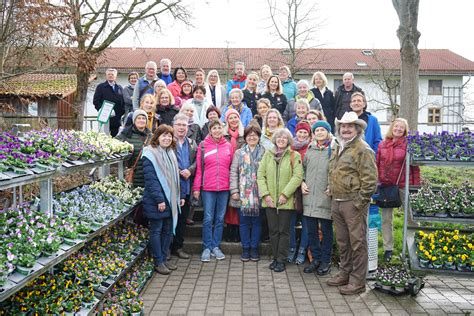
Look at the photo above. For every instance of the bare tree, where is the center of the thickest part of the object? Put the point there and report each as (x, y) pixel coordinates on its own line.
(97, 24)
(387, 79)
(296, 24)
(409, 36)
(26, 36)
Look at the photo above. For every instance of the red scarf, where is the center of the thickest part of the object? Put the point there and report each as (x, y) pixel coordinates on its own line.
(234, 135)
(241, 79)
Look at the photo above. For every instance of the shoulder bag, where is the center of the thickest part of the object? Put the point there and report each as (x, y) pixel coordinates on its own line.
(389, 196)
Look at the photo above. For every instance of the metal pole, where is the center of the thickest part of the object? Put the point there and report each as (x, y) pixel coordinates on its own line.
(120, 170)
(407, 205)
(14, 197)
(46, 196)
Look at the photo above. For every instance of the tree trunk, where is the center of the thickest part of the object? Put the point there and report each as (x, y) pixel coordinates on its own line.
(81, 97)
(408, 36)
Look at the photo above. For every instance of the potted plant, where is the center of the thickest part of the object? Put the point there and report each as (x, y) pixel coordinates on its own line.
(88, 297)
(25, 263)
(51, 245)
(135, 306)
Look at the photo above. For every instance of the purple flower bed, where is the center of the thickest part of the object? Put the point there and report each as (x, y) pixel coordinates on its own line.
(442, 146)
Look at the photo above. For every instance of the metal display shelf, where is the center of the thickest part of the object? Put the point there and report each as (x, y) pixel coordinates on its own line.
(15, 180)
(100, 295)
(415, 264)
(16, 281)
(409, 232)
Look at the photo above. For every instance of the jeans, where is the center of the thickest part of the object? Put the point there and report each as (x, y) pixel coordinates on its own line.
(160, 238)
(250, 228)
(215, 205)
(321, 250)
(178, 239)
(304, 232)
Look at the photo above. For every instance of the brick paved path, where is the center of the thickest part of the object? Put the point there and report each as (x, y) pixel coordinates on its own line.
(231, 287)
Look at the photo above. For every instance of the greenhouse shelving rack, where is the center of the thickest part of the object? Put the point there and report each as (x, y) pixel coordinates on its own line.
(409, 231)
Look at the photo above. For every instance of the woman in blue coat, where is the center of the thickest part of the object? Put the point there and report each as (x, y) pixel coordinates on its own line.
(162, 197)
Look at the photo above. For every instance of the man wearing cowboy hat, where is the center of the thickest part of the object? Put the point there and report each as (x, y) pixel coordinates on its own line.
(352, 181)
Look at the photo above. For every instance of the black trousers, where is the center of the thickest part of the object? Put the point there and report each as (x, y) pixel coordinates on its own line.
(178, 239)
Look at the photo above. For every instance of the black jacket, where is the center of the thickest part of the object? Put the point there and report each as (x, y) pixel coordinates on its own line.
(104, 91)
(342, 99)
(251, 100)
(278, 101)
(327, 103)
(167, 114)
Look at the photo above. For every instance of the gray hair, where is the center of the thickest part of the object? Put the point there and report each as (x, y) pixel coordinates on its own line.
(160, 82)
(186, 106)
(304, 102)
(111, 70)
(348, 74)
(151, 64)
(238, 91)
(282, 132)
(165, 61)
(303, 82)
(180, 117)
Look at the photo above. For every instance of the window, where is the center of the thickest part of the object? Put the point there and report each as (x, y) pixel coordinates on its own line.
(367, 52)
(435, 87)
(434, 115)
(33, 108)
(361, 64)
(337, 83)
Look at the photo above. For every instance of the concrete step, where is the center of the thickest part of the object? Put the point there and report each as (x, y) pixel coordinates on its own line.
(193, 245)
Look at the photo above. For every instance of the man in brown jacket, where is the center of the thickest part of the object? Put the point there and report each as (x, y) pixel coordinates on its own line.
(352, 181)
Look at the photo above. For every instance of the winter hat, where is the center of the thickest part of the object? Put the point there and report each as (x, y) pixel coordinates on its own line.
(137, 113)
(229, 112)
(321, 124)
(303, 125)
(350, 118)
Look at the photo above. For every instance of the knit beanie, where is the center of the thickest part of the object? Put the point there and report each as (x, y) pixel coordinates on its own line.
(229, 112)
(321, 124)
(303, 125)
(137, 113)
(186, 82)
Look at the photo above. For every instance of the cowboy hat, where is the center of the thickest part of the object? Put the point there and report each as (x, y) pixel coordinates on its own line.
(351, 118)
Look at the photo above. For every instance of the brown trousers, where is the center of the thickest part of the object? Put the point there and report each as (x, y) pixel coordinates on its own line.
(351, 237)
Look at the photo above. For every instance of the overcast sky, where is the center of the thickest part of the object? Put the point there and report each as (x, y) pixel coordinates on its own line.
(347, 24)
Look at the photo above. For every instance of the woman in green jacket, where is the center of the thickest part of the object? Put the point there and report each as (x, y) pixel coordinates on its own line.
(279, 175)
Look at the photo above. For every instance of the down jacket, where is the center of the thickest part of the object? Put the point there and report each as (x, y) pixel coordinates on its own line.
(217, 161)
(275, 178)
(389, 171)
(353, 172)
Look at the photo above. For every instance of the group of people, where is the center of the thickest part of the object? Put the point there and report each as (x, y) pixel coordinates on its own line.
(259, 153)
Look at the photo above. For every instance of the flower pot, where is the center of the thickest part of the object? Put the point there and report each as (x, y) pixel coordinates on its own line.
(450, 266)
(400, 289)
(136, 313)
(462, 267)
(69, 241)
(82, 236)
(437, 265)
(424, 263)
(453, 158)
(441, 215)
(386, 287)
(429, 158)
(88, 305)
(417, 157)
(3, 279)
(24, 270)
(465, 158)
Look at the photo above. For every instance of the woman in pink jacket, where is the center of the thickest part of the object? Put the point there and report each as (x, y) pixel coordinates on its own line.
(212, 179)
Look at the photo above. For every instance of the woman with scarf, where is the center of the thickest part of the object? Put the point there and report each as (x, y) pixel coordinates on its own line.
(316, 203)
(250, 92)
(235, 97)
(212, 181)
(147, 104)
(200, 105)
(244, 190)
(300, 144)
(390, 159)
(265, 73)
(279, 175)
(271, 122)
(165, 106)
(186, 91)
(234, 134)
(194, 131)
(180, 76)
(303, 94)
(274, 93)
(137, 135)
(215, 91)
(162, 197)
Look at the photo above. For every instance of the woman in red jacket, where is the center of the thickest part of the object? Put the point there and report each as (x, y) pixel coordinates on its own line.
(390, 161)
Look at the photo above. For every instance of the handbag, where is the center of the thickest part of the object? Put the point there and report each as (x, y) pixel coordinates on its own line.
(130, 172)
(389, 196)
(198, 202)
(139, 216)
